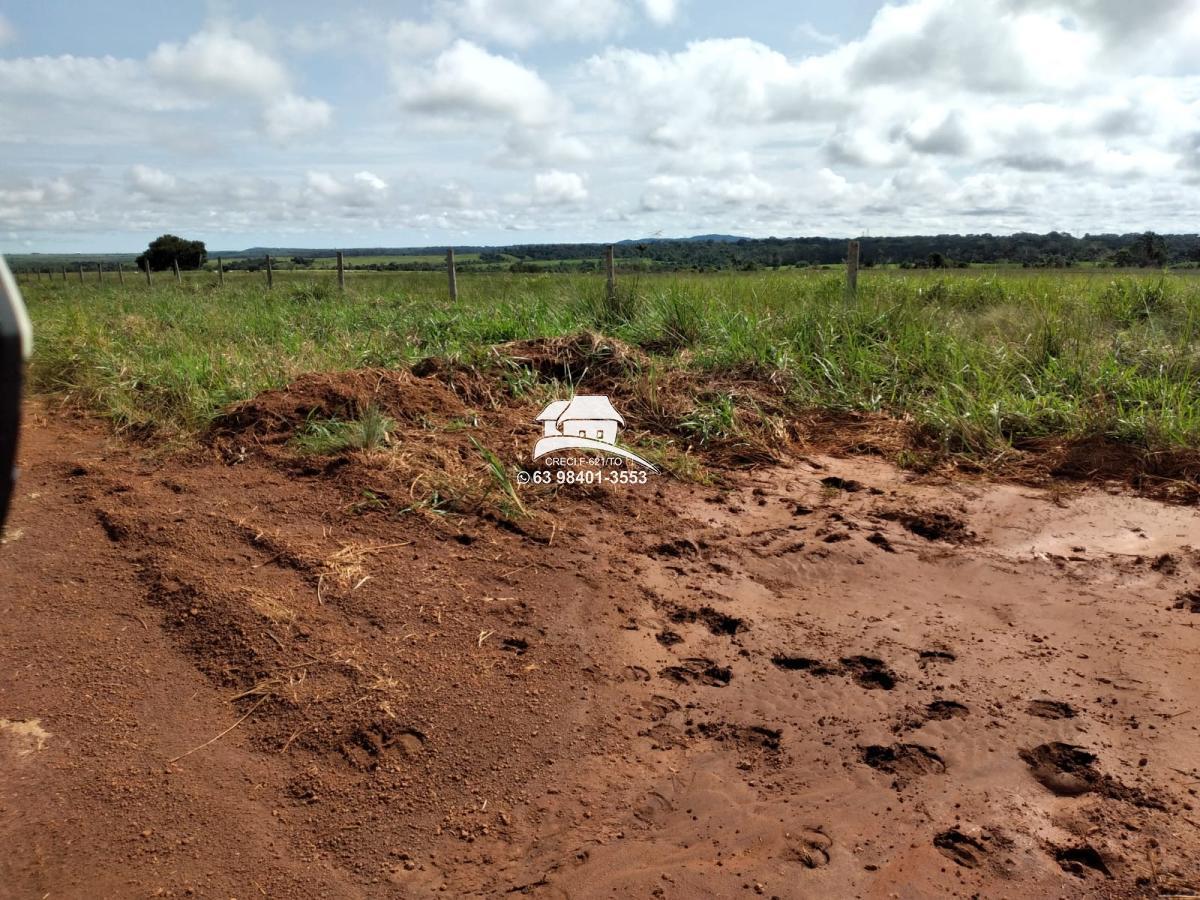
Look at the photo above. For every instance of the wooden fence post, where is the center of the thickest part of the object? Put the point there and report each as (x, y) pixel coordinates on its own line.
(81, 273)
(148, 281)
(120, 272)
(178, 275)
(341, 266)
(220, 271)
(270, 275)
(852, 270)
(451, 274)
(611, 272)
(64, 271)
(99, 271)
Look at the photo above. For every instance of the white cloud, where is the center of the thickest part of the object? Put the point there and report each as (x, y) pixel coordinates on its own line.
(521, 23)
(293, 115)
(661, 12)
(418, 39)
(218, 61)
(466, 80)
(154, 184)
(362, 189)
(558, 188)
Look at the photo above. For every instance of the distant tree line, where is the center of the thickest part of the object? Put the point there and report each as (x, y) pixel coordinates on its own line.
(1052, 250)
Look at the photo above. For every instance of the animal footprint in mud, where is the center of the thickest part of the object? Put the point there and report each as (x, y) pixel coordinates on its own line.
(1068, 771)
(698, 670)
(870, 672)
(811, 848)
(1076, 859)
(962, 848)
(905, 761)
(635, 673)
(370, 746)
(653, 809)
(659, 707)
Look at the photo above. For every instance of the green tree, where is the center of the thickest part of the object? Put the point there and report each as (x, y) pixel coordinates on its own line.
(168, 249)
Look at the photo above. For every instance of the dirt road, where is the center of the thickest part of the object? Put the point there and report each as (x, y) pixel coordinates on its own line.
(232, 678)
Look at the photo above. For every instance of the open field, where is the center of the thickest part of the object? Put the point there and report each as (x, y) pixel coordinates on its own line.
(910, 611)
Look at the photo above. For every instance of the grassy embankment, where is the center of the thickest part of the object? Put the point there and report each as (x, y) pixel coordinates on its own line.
(979, 362)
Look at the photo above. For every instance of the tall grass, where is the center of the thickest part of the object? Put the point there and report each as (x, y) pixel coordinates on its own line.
(982, 359)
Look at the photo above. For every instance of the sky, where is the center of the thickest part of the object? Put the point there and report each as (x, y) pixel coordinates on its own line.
(294, 123)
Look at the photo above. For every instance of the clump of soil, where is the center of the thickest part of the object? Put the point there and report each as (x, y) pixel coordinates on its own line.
(1050, 709)
(1189, 600)
(932, 526)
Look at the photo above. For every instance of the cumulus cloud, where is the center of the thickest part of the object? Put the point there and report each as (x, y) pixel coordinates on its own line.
(217, 61)
(466, 80)
(557, 188)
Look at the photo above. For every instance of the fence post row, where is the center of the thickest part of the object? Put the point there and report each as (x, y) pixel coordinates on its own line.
(852, 270)
(453, 276)
(341, 267)
(611, 273)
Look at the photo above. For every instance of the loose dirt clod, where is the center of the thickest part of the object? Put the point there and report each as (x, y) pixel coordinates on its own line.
(1050, 709)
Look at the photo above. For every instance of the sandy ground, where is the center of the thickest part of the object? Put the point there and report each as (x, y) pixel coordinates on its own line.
(830, 679)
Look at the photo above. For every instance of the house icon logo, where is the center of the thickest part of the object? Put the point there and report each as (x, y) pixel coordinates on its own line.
(585, 422)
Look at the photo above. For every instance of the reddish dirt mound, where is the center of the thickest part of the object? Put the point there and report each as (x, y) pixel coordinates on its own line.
(275, 416)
